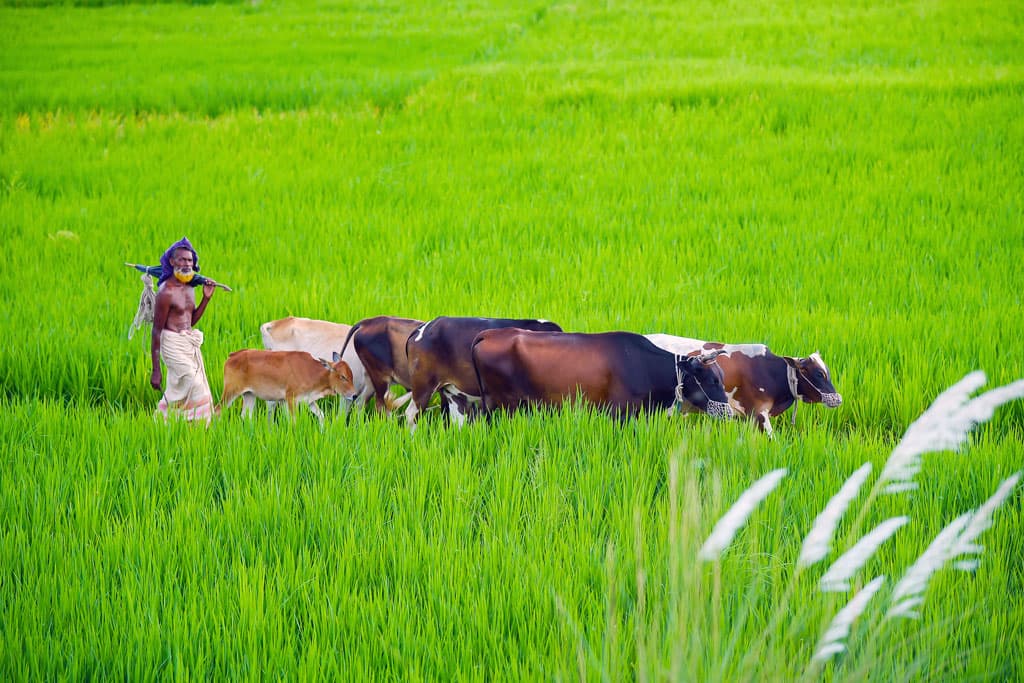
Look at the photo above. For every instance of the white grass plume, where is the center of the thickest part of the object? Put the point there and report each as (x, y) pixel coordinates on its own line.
(832, 642)
(909, 592)
(979, 522)
(729, 524)
(956, 539)
(944, 426)
(819, 541)
(838, 576)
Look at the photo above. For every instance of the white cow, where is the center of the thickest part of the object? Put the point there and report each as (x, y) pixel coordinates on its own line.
(320, 339)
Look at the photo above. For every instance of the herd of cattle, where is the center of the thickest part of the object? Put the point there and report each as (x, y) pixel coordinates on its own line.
(482, 365)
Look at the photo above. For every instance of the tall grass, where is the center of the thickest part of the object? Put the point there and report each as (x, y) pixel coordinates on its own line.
(132, 548)
(393, 218)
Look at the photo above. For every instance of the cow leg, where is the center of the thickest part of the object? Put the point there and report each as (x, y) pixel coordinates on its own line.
(458, 408)
(380, 396)
(397, 403)
(462, 407)
(289, 406)
(764, 422)
(447, 410)
(313, 408)
(410, 416)
(248, 403)
(227, 399)
(420, 400)
(271, 407)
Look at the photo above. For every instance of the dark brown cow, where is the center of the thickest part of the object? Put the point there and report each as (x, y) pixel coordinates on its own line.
(760, 384)
(379, 344)
(288, 376)
(440, 359)
(618, 371)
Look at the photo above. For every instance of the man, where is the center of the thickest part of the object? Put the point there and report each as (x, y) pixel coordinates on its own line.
(176, 341)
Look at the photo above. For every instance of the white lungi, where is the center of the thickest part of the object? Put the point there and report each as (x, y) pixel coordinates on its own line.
(188, 392)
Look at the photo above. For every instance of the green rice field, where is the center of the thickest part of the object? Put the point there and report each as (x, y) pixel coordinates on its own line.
(841, 177)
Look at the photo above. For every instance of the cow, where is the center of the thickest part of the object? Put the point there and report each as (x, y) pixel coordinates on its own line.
(321, 339)
(288, 376)
(618, 371)
(379, 344)
(760, 384)
(439, 353)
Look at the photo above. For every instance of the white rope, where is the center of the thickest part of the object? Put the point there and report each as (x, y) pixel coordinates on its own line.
(147, 305)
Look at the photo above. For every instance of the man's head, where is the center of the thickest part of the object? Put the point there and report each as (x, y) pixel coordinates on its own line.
(179, 261)
(183, 262)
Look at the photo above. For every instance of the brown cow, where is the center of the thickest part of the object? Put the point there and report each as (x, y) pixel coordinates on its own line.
(288, 376)
(618, 371)
(440, 359)
(379, 344)
(321, 339)
(760, 384)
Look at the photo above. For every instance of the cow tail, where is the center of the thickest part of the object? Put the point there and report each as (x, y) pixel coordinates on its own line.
(348, 337)
(407, 339)
(479, 378)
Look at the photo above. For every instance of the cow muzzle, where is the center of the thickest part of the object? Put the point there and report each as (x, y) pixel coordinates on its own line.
(719, 411)
(832, 400)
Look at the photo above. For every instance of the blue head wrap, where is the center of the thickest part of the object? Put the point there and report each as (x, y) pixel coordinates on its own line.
(166, 269)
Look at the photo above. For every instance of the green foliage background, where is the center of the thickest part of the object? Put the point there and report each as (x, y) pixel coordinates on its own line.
(809, 175)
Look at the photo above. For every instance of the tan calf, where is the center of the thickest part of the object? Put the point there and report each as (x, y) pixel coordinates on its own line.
(289, 376)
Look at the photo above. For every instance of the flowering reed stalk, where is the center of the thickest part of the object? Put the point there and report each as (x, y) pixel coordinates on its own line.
(733, 520)
(910, 590)
(832, 643)
(818, 541)
(944, 426)
(838, 576)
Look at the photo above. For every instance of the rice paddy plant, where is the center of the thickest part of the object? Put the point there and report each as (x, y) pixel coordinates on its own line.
(375, 253)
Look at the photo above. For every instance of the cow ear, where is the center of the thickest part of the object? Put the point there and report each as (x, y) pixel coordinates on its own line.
(325, 364)
(792, 362)
(336, 357)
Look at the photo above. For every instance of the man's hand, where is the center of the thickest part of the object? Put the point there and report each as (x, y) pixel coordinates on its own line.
(208, 288)
(156, 379)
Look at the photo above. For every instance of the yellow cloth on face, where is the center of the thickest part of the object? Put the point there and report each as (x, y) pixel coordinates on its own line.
(188, 391)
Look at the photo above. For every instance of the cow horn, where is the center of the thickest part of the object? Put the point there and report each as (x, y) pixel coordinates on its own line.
(710, 356)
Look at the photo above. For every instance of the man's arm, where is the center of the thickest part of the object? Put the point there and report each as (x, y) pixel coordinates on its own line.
(160, 310)
(207, 294)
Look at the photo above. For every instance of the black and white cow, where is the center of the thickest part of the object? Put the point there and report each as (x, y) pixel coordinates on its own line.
(760, 384)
